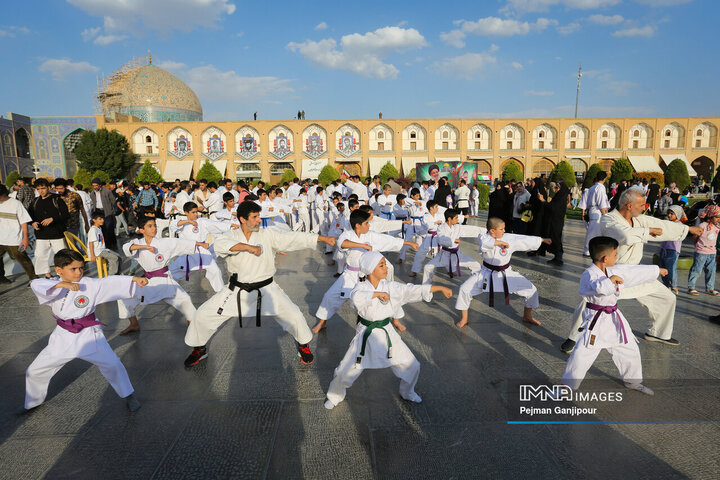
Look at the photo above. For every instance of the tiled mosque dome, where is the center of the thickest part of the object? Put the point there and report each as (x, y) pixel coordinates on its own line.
(151, 94)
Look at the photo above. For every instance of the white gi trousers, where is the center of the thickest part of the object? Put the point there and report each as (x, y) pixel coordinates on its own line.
(44, 251)
(158, 288)
(209, 266)
(443, 259)
(90, 345)
(339, 293)
(517, 284)
(422, 252)
(593, 229)
(275, 303)
(656, 297)
(625, 356)
(303, 219)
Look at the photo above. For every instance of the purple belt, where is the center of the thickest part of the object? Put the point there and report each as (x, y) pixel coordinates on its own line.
(498, 268)
(610, 309)
(432, 235)
(187, 264)
(455, 252)
(160, 272)
(75, 325)
(352, 269)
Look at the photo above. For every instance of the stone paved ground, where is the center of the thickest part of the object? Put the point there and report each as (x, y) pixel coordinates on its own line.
(253, 411)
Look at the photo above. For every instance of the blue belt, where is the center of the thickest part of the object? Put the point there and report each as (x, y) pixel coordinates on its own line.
(403, 225)
(264, 221)
(387, 214)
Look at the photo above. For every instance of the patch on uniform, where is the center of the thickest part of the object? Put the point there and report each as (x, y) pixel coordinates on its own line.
(196, 229)
(592, 339)
(159, 258)
(503, 251)
(81, 301)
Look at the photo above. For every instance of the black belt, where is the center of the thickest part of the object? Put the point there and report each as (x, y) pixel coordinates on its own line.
(501, 269)
(249, 287)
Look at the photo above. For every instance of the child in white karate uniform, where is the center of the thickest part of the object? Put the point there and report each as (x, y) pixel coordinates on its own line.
(603, 326)
(353, 243)
(376, 344)
(426, 228)
(450, 256)
(198, 229)
(496, 275)
(155, 255)
(78, 335)
(228, 212)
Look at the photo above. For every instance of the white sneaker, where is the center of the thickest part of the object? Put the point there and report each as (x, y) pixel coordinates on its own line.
(329, 405)
(641, 388)
(413, 397)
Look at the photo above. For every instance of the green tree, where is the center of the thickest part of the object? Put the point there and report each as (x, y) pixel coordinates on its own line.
(412, 175)
(148, 173)
(11, 179)
(716, 180)
(590, 175)
(621, 170)
(565, 172)
(83, 177)
(288, 176)
(512, 171)
(677, 172)
(483, 195)
(209, 172)
(387, 172)
(105, 150)
(327, 175)
(104, 177)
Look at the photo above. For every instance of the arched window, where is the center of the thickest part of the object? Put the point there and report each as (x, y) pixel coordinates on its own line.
(541, 134)
(699, 133)
(636, 133)
(509, 134)
(413, 135)
(667, 133)
(381, 135)
(445, 134)
(478, 135)
(573, 134)
(605, 134)
(148, 139)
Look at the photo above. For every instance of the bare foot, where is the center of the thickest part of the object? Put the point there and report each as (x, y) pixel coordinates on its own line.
(412, 274)
(531, 321)
(461, 323)
(130, 329)
(321, 325)
(399, 261)
(398, 326)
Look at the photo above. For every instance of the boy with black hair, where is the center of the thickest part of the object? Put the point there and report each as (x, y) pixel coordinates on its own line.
(250, 254)
(198, 230)
(426, 229)
(448, 238)
(96, 244)
(49, 214)
(73, 299)
(497, 247)
(228, 212)
(155, 255)
(603, 326)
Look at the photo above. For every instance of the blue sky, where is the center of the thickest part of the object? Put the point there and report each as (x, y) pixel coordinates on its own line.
(482, 58)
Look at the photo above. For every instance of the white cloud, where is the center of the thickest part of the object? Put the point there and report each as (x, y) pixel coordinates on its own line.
(105, 40)
(542, 93)
(90, 33)
(466, 66)
(321, 26)
(60, 68)
(171, 65)
(213, 85)
(362, 54)
(606, 19)
(618, 87)
(454, 38)
(529, 6)
(238, 34)
(646, 31)
(517, 65)
(138, 16)
(433, 103)
(569, 28)
(12, 30)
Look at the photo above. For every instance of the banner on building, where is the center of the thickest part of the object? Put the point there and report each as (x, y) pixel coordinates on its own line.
(453, 171)
(311, 168)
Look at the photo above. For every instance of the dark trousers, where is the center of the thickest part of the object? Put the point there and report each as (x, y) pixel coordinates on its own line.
(464, 211)
(519, 227)
(21, 257)
(108, 230)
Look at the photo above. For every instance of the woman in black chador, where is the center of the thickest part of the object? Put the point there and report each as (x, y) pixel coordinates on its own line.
(554, 222)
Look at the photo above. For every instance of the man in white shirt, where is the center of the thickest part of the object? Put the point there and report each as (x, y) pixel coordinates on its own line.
(594, 204)
(214, 202)
(14, 240)
(183, 196)
(227, 186)
(462, 195)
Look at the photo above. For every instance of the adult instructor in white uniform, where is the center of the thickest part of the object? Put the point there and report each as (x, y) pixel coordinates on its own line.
(632, 230)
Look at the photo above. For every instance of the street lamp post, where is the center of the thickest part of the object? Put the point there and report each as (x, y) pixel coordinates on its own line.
(577, 92)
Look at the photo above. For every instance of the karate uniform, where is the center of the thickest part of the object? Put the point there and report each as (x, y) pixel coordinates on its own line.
(339, 292)
(385, 205)
(180, 200)
(415, 212)
(446, 237)
(611, 330)
(226, 215)
(302, 213)
(214, 203)
(427, 229)
(402, 362)
(88, 344)
(163, 288)
(656, 297)
(203, 258)
(496, 255)
(593, 201)
(252, 269)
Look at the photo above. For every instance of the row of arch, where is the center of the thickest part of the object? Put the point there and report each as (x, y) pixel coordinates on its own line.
(19, 148)
(247, 140)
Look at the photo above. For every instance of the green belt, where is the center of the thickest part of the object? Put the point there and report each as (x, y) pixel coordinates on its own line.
(370, 326)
